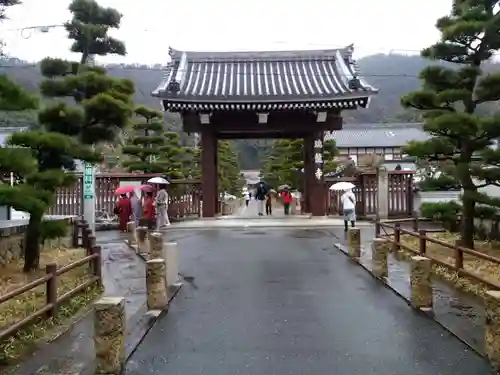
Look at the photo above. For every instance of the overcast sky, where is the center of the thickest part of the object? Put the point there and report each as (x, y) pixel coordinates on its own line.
(149, 27)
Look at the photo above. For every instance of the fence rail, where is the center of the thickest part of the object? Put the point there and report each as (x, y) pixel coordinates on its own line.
(456, 252)
(399, 195)
(184, 195)
(52, 273)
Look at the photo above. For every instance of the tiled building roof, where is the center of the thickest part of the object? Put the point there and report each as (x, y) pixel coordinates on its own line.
(377, 135)
(263, 80)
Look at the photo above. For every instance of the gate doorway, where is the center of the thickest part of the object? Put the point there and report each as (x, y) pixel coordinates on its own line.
(252, 95)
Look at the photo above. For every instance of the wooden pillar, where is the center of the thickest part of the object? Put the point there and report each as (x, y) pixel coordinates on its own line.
(308, 171)
(318, 204)
(208, 172)
(216, 163)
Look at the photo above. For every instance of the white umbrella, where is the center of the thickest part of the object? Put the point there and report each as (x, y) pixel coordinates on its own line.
(158, 180)
(342, 186)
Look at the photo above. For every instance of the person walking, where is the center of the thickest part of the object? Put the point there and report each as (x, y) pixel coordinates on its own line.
(269, 204)
(135, 202)
(246, 197)
(149, 209)
(348, 200)
(286, 198)
(162, 207)
(123, 209)
(260, 196)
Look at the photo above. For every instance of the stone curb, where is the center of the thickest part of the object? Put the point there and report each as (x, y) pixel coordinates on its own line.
(428, 315)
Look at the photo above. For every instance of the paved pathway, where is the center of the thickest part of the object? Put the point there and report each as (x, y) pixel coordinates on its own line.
(284, 302)
(252, 210)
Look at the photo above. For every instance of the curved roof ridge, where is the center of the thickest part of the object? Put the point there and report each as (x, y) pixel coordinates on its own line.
(263, 55)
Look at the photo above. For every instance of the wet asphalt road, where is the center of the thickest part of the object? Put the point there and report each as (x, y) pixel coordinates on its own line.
(284, 302)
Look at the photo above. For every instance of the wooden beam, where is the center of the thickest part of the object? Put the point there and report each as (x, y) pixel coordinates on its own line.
(247, 121)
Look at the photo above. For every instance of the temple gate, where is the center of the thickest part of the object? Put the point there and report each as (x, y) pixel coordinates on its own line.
(279, 94)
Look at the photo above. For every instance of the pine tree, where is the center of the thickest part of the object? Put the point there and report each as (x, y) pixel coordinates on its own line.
(171, 156)
(143, 145)
(40, 158)
(451, 97)
(89, 30)
(228, 169)
(285, 163)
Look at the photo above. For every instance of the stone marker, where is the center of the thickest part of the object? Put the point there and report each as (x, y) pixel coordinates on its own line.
(379, 258)
(132, 236)
(171, 256)
(492, 327)
(354, 243)
(109, 335)
(156, 287)
(155, 245)
(421, 283)
(142, 233)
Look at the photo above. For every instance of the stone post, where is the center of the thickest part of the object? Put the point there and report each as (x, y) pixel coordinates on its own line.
(155, 245)
(382, 193)
(157, 298)
(421, 283)
(492, 327)
(354, 243)
(379, 258)
(141, 239)
(132, 235)
(109, 335)
(171, 256)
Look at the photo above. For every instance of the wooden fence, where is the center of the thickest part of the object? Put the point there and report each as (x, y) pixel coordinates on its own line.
(53, 301)
(184, 195)
(392, 232)
(400, 194)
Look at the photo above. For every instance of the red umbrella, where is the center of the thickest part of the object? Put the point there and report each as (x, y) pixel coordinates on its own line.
(125, 190)
(147, 188)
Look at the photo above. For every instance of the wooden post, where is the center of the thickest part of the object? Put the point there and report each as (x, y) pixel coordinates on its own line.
(51, 291)
(492, 327)
(141, 239)
(155, 245)
(75, 234)
(354, 243)
(209, 173)
(132, 235)
(156, 279)
(382, 193)
(171, 256)
(421, 283)
(379, 258)
(109, 335)
(96, 263)
(422, 241)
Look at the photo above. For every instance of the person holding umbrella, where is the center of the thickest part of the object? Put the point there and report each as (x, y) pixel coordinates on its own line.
(162, 207)
(148, 205)
(123, 207)
(348, 200)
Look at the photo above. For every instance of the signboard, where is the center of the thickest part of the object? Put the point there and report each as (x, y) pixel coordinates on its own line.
(88, 182)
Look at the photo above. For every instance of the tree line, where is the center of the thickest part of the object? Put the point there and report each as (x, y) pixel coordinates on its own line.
(86, 109)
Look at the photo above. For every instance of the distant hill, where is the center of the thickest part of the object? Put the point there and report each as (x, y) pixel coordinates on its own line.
(393, 75)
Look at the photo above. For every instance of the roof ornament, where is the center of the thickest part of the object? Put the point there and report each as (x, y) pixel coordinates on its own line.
(355, 83)
(173, 86)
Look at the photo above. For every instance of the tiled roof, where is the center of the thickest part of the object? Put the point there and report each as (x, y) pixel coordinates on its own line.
(263, 80)
(377, 135)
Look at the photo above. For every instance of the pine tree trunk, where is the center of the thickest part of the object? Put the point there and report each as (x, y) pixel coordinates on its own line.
(467, 224)
(32, 244)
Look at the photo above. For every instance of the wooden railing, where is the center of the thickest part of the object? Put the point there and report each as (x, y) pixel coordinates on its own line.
(52, 273)
(456, 252)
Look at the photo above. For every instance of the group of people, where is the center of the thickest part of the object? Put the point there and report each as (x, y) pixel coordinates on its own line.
(264, 197)
(151, 208)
